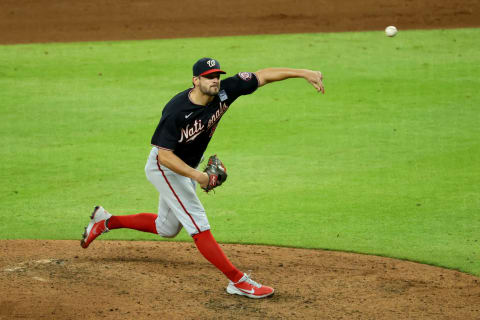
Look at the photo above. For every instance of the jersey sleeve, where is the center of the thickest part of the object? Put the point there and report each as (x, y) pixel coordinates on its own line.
(240, 84)
(166, 135)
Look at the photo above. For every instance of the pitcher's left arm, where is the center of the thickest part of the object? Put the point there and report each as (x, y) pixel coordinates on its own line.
(268, 75)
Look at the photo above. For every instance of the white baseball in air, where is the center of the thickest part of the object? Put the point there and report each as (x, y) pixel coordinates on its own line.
(391, 31)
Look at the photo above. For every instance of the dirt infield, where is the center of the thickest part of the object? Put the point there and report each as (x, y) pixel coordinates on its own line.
(167, 280)
(24, 21)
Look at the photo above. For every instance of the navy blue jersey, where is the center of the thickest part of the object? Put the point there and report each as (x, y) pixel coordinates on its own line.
(186, 128)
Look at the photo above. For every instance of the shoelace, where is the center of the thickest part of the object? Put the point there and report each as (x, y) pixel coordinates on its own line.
(253, 283)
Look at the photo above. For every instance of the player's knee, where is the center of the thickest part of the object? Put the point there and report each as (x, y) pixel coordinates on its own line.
(169, 232)
(168, 235)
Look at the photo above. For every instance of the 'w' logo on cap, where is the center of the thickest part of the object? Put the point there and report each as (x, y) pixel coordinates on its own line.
(206, 66)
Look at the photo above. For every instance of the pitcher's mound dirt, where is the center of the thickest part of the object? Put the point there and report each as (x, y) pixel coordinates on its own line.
(167, 280)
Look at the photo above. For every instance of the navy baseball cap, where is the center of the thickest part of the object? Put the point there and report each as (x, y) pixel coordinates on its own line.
(206, 66)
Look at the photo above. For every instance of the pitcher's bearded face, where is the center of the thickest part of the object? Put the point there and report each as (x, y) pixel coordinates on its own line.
(209, 84)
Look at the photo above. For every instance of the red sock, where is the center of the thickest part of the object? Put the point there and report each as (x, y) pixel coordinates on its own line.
(142, 222)
(210, 249)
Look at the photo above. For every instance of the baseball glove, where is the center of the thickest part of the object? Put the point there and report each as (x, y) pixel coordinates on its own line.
(217, 173)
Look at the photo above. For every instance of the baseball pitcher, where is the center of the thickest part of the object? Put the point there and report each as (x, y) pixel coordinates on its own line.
(186, 126)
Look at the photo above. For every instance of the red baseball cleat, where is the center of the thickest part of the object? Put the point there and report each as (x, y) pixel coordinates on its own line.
(96, 227)
(248, 287)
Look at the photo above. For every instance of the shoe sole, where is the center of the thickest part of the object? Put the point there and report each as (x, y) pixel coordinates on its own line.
(234, 290)
(89, 228)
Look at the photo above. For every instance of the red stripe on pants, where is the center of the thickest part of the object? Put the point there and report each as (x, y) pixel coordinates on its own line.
(176, 196)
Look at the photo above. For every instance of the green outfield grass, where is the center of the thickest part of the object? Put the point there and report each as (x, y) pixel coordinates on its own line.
(386, 162)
